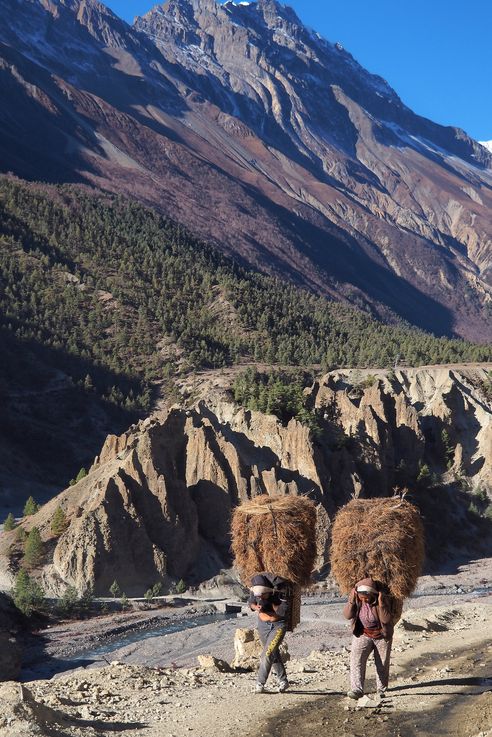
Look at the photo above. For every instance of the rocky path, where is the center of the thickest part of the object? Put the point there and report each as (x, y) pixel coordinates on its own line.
(441, 684)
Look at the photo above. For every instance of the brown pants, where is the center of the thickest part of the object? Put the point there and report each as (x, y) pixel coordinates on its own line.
(362, 647)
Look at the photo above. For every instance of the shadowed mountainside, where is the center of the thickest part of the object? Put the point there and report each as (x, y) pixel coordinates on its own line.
(105, 304)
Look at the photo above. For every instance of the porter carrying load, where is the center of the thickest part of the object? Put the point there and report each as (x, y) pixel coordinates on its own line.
(377, 553)
(378, 538)
(277, 536)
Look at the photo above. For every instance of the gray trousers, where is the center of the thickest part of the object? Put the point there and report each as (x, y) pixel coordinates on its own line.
(271, 636)
(362, 647)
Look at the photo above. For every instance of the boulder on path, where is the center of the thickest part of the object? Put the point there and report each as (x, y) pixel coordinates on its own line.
(369, 702)
(210, 663)
(247, 650)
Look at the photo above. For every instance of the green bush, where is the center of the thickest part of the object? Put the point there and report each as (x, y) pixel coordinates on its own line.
(473, 510)
(488, 513)
(153, 592)
(424, 474)
(86, 601)
(181, 587)
(27, 594)
(69, 602)
(481, 495)
(156, 589)
(368, 381)
(448, 449)
(81, 475)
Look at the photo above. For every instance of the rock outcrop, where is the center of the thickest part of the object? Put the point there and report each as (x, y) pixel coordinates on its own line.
(22, 715)
(156, 503)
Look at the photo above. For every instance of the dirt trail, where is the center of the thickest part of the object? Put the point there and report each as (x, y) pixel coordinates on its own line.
(436, 694)
(441, 684)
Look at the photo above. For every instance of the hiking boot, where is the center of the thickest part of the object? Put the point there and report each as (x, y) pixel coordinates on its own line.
(381, 692)
(282, 686)
(259, 688)
(355, 694)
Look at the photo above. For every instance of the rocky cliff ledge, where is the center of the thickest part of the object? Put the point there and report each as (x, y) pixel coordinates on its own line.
(155, 505)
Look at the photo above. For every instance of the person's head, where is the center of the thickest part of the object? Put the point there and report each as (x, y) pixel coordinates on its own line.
(261, 587)
(366, 590)
(366, 597)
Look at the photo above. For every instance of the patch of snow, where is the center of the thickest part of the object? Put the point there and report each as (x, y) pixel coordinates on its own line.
(461, 166)
(487, 145)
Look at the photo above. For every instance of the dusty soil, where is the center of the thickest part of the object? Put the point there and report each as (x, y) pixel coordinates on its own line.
(441, 679)
(441, 684)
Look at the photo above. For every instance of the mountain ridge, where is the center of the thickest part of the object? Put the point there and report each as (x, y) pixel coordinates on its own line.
(313, 168)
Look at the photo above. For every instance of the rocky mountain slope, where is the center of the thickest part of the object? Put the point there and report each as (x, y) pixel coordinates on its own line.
(156, 503)
(104, 305)
(312, 167)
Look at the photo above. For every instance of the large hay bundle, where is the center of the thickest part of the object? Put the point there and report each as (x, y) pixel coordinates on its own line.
(380, 538)
(276, 534)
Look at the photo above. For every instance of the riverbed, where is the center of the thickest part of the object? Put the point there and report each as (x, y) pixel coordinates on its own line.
(175, 637)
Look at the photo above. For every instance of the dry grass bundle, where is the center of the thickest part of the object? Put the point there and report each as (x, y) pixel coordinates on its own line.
(380, 538)
(295, 613)
(276, 534)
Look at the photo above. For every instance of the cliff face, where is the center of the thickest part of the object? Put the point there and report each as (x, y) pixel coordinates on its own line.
(314, 169)
(157, 501)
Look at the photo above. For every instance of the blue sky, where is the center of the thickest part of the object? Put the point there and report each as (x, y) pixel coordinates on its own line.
(436, 54)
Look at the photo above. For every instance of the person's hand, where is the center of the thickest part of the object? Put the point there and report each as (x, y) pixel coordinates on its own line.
(353, 596)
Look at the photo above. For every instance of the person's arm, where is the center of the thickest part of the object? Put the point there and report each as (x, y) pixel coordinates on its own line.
(350, 608)
(253, 604)
(280, 605)
(268, 617)
(384, 609)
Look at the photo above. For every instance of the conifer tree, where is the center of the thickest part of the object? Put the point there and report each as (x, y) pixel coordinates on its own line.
(114, 589)
(30, 507)
(81, 475)
(59, 522)
(33, 548)
(9, 523)
(27, 593)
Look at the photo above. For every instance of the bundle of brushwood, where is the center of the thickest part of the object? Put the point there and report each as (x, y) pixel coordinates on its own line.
(380, 538)
(276, 535)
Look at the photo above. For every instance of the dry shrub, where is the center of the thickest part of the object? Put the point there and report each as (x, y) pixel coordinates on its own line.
(275, 534)
(380, 538)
